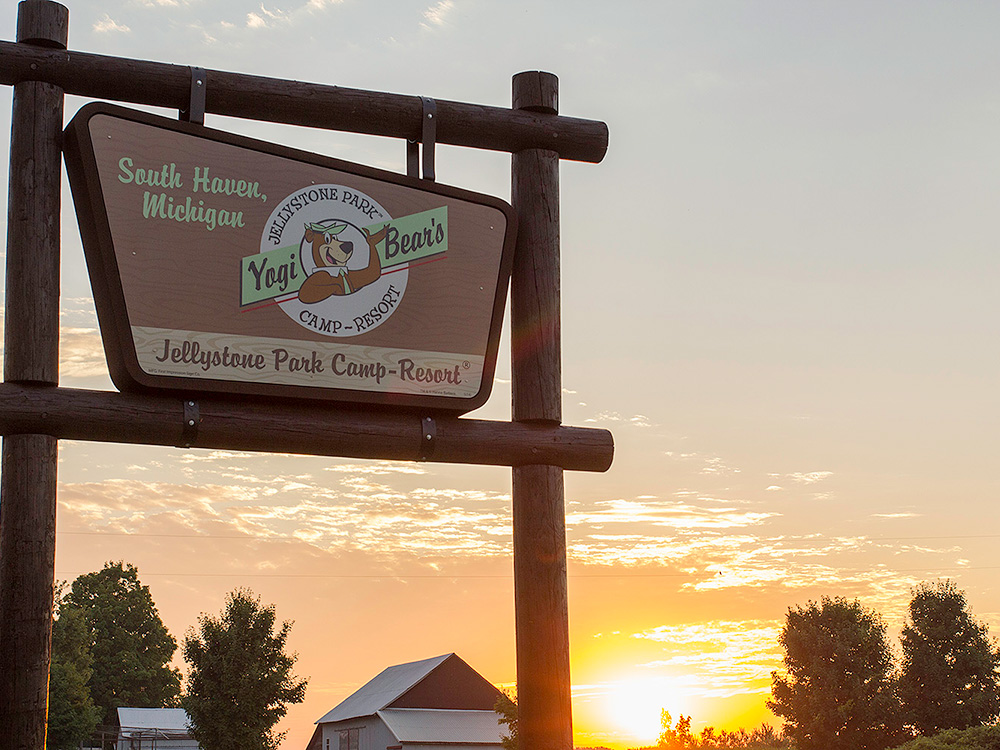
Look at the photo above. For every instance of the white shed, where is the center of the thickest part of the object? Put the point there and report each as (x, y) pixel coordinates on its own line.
(435, 704)
(154, 729)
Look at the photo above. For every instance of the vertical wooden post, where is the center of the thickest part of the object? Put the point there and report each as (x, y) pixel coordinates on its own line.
(31, 355)
(540, 591)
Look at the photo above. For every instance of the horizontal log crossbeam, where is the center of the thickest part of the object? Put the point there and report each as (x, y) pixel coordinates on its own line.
(297, 103)
(285, 427)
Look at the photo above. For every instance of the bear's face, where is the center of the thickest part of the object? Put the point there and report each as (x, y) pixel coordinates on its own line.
(327, 250)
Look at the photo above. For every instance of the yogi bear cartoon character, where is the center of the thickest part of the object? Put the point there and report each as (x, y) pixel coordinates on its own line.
(331, 255)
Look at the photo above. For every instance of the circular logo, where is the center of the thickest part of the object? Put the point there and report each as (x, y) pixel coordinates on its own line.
(344, 291)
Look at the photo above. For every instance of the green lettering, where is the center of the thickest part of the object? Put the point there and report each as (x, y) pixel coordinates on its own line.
(154, 205)
(123, 164)
(201, 181)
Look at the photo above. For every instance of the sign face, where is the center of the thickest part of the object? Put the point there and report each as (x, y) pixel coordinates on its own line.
(225, 264)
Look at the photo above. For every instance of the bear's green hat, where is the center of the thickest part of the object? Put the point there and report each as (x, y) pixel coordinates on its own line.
(331, 229)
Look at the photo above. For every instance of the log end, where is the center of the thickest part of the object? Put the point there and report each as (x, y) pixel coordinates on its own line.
(43, 23)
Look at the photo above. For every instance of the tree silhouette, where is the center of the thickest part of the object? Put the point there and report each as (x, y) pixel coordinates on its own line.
(677, 737)
(838, 693)
(241, 678)
(950, 673)
(506, 707)
(130, 645)
(72, 715)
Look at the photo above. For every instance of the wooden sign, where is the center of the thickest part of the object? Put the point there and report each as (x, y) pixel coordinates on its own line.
(225, 264)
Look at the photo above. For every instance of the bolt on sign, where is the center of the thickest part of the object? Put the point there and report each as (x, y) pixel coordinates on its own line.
(230, 265)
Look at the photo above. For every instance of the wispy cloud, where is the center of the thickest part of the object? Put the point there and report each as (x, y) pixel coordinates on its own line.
(689, 558)
(357, 514)
(710, 464)
(668, 513)
(391, 514)
(81, 354)
(805, 477)
(613, 417)
(724, 658)
(108, 24)
(437, 14)
(378, 467)
(265, 18)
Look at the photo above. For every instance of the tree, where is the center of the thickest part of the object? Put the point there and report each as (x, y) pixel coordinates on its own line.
(130, 645)
(675, 737)
(839, 693)
(950, 669)
(762, 738)
(506, 706)
(241, 679)
(973, 738)
(72, 714)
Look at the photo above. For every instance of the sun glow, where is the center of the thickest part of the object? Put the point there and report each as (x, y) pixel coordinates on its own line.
(634, 706)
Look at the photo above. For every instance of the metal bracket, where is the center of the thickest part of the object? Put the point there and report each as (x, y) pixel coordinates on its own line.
(189, 434)
(428, 438)
(412, 158)
(428, 137)
(195, 111)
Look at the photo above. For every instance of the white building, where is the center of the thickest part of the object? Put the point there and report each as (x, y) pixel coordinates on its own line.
(154, 729)
(434, 704)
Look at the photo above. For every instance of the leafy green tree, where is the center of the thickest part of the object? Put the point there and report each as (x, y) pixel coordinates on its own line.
(72, 714)
(130, 645)
(973, 738)
(241, 679)
(838, 693)
(765, 737)
(950, 669)
(506, 706)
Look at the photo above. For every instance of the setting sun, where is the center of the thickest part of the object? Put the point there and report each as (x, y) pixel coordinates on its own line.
(634, 706)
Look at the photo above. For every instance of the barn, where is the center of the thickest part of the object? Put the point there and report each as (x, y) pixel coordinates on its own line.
(435, 704)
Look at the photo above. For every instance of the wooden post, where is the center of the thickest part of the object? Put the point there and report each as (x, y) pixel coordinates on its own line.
(31, 343)
(540, 591)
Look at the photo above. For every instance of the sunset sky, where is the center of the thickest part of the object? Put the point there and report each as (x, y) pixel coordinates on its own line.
(779, 294)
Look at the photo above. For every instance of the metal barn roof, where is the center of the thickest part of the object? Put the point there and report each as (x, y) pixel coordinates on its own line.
(441, 683)
(172, 720)
(383, 689)
(432, 725)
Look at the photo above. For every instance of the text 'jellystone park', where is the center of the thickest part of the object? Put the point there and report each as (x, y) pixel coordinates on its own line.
(279, 359)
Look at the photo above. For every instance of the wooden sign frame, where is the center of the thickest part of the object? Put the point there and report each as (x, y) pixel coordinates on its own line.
(481, 232)
(35, 412)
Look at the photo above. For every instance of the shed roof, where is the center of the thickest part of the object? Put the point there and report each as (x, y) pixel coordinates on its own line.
(172, 720)
(443, 726)
(442, 682)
